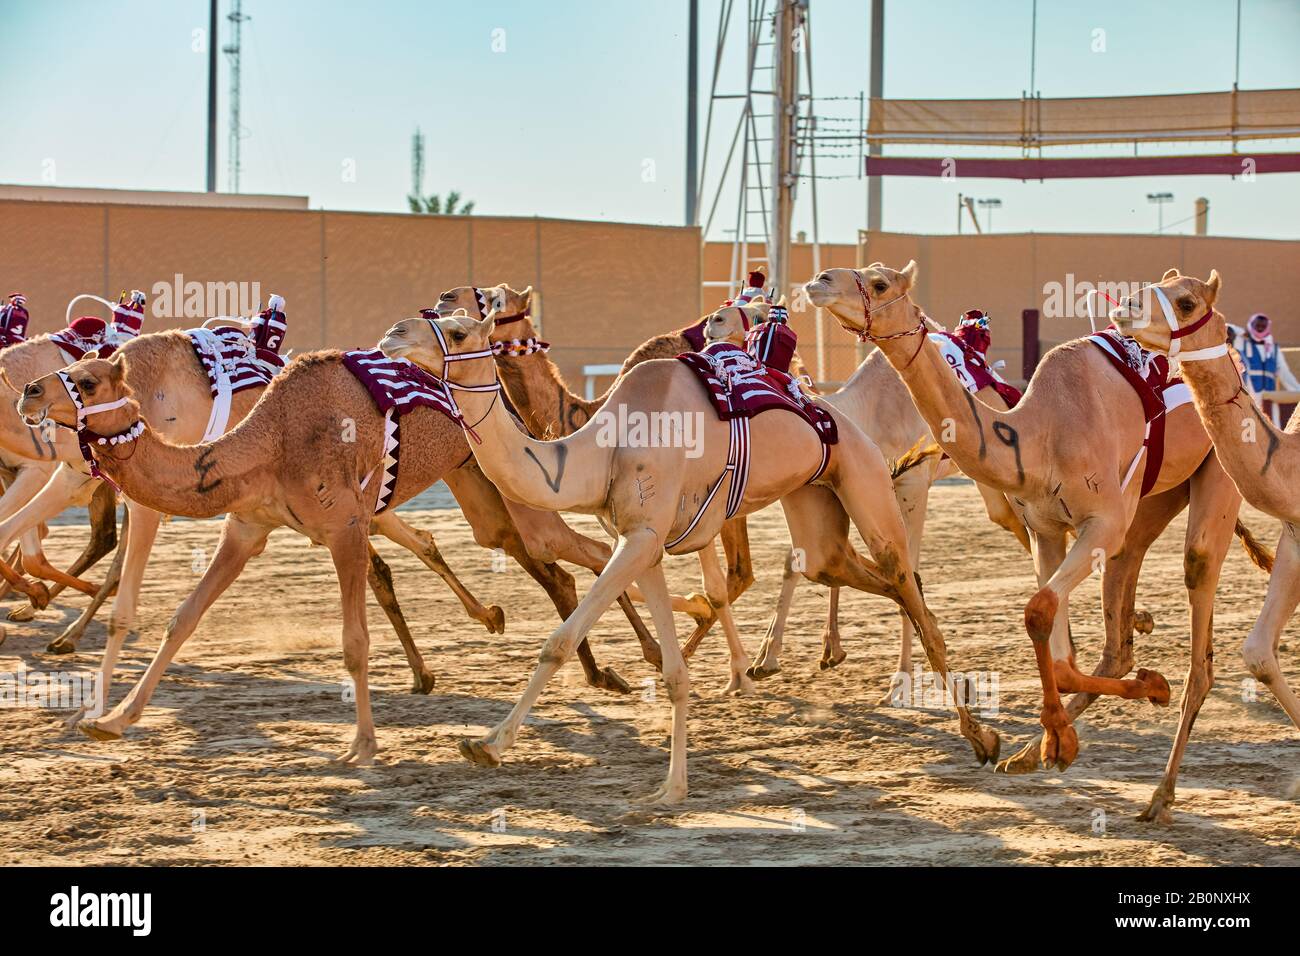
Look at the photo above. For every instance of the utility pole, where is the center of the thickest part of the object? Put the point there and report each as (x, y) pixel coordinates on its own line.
(212, 96)
(236, 17)
(877, 90)
(692, 113)
(787, 41)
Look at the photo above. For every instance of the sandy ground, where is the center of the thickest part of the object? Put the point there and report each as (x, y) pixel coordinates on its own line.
(231, 762)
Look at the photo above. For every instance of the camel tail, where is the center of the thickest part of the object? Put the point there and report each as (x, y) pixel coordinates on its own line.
(914, 456)
(1258, 553)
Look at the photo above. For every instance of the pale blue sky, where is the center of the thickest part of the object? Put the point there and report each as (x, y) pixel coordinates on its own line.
(110, 93)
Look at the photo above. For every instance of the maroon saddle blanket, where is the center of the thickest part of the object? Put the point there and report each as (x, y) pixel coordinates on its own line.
(740, 386)
(397, 385)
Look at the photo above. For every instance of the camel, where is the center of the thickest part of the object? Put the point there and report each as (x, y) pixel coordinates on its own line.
(280, 466)
(33, 458)
(874, 397)
(1065, 462)
(659, 499)
(1177, 317)
(877, 401)
(166, 371)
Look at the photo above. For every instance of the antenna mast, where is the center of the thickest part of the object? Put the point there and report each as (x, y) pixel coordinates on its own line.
(236, 18)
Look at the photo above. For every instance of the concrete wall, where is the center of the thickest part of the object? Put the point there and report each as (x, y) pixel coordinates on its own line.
(604, 287)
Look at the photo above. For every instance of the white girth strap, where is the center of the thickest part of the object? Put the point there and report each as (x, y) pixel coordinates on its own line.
(738, 466)
(220, 416)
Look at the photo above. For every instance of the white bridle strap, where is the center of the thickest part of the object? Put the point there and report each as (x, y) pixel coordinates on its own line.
(83, 411)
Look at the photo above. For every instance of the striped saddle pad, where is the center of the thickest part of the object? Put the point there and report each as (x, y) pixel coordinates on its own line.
(397, 385)
(229, 351)
(740, 386)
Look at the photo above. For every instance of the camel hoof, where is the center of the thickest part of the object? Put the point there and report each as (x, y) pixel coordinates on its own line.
(610, 680)
(1143, 622)
(424, 683)
(1157, 810)
(835, 660)
(987, 746)
(665, 796)
(39, 596)
(95, 731)
(496, 620)
(763, 671)
(22, 613)
(1159, 695)
(1060, 747)
(360, 754)
(739, 686)
(61, 645)
(1023, 761)
(477, 753)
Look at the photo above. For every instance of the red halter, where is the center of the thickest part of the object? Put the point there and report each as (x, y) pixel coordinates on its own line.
(865, 334)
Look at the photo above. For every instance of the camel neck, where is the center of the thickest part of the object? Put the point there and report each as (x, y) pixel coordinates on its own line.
(537, 473)
(1254, 453)
(982, 441)
(544, 401)
(196, 481)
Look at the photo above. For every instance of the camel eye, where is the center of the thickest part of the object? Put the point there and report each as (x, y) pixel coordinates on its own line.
(458, 336)
(1185, 305)
(881, 287)
(86, 384)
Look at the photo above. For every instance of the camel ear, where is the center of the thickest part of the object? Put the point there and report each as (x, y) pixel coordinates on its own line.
(1171, 274)
(527, 297)
(1213, 283)
(92, 354)
(909, 273)
(117, 367)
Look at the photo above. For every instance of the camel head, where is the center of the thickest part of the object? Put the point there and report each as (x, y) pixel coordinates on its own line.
(414, 339)
(479, 301)
(849, 294)
(728, 323)
(1189, 302)
(97, 381)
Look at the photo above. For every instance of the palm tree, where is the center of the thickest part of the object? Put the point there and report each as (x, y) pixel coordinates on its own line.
(434, 205)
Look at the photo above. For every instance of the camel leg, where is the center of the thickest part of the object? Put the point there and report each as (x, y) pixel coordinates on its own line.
(240, 541)
(740, 567)
(1119, 580)
(381, 584)
(1260, 649)
(536, 540)
(1210, 523)
(768, 661)
(715, 586)
(1047, 622)
(912, 492)
(102, 509)
(348, 548)
(51, 496)
(883, 531)
(676, 678)
(421, 544)
(634, 554)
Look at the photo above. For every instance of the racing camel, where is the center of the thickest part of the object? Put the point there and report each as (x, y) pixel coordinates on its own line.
(658, 499)
(1072, 466)
(874, 398)
(303, 459)
(1177, 317)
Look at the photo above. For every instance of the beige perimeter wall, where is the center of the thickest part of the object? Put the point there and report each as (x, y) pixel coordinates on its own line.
(1005, 274)
(346, 277)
